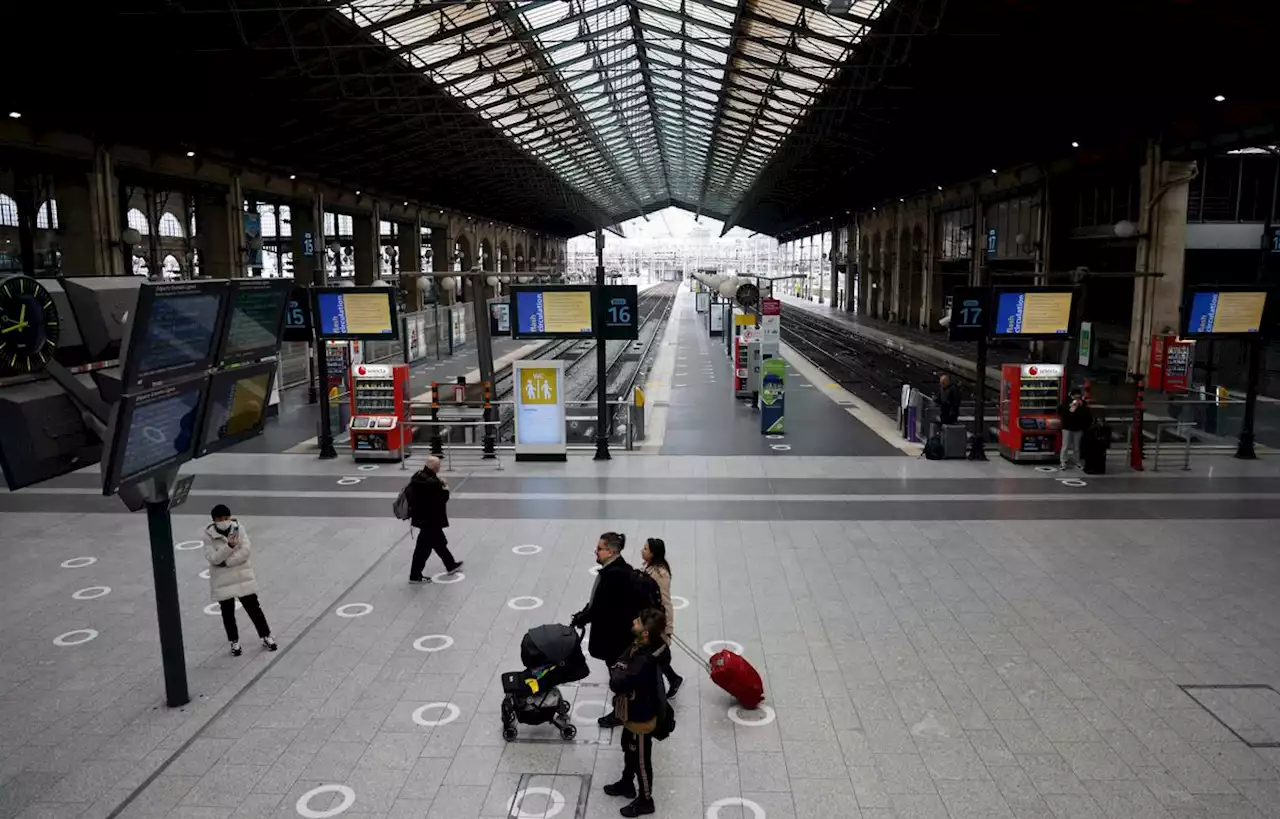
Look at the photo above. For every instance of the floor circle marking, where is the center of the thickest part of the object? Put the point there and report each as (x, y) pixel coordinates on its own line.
(519, 603)
(445, 578)
(65, 641)
(353, 610)
(678, 602)
(79, 562)
(349, 481)
(1047, 469)
(189, 545)
(526, 549)
(779, 447)
(453, 712)
(573, 712)
(736, 713)
(367, 467)
(304, 802)
(420, 644)
(775, 437)
(755, 810)
(216, 608)
(732, 645)
(92, 593)
(515, 808)
(1075, 482)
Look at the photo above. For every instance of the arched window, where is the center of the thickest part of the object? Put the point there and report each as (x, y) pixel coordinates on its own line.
(169, 226)
(138, 221)
(47, 216)
(8, 211)
(171, 267)
(267, 222)
(284, 217)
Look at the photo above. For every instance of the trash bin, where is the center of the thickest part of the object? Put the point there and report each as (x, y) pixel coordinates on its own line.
(1093, 449)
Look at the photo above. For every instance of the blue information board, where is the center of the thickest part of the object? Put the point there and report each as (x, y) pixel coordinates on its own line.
(356, 313)
(531, 313)
(1032, 313)
(1225, 312)
(561, 311)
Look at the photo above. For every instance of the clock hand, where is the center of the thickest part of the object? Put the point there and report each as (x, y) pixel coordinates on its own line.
(14, 327)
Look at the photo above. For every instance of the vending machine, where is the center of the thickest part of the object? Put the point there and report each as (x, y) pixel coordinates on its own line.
(379, 410)
(1030, 397)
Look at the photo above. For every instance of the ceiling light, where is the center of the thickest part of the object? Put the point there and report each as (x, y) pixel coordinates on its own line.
(15, 115)
(1075, 144)
(191, 154)
(900, 199)
(1218, 98)
(357, 193)
(939, 187)
(993, 170)
(293, 176)
(406, 204)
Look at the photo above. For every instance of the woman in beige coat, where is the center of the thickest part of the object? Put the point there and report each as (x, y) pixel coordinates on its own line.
(231, 577)
(654, 554)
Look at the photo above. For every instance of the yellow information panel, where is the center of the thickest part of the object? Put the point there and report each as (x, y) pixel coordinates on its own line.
(568, 312)
(1046, 313)
(1239, 312)
(367, 313)
(539, 385)
(248, 397)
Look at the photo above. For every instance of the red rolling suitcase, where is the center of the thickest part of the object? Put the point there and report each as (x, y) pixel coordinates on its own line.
(731, 672)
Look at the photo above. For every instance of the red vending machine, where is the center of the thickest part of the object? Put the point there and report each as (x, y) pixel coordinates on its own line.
(1030, 397)
(379, 410)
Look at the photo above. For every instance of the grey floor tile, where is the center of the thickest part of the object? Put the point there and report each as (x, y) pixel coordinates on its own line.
(1127, 800)
(824, 798)
(1050, 774)
(904, 774)
(766, 771)
(814, 760)
(1094, 760)
(973, 800)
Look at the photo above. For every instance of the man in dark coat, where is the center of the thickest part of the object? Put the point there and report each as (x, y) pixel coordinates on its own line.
(948, 401)
(611, 609)
(428, 499)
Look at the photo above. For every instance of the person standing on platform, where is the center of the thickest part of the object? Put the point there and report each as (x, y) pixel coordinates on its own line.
(638, 705)
(611, 609)
(231, 577)
(1076, 418)
(948, 401)
(428, 501)
(654, 555)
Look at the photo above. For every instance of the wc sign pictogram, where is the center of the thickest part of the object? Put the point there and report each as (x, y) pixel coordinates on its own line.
(538, 385)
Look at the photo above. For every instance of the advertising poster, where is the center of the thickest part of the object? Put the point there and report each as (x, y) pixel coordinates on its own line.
(252, 232)
(772, 396)
(540, 421)
(717, 319)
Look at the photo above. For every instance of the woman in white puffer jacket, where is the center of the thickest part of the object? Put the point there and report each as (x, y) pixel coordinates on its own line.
(231, 577)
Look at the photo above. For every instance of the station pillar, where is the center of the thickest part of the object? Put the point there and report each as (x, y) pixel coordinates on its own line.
(1162, 248)
(89, 218)
(368, 252)
(219, 225)
(307, 243)
(442, 260)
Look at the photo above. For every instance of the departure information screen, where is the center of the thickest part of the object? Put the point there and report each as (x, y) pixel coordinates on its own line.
(157, 429)
(180, 331)
(257, 309)
(237, 407)
(1233, 312)
(552, 312)
(1032, 313)
(348, 313)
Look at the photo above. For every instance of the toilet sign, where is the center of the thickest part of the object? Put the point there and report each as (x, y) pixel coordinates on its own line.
(540, 418)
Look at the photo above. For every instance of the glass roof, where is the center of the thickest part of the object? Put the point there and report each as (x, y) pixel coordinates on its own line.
(634, 103)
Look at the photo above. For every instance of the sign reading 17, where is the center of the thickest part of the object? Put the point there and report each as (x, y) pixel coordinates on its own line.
(619, 312)
(971, 313)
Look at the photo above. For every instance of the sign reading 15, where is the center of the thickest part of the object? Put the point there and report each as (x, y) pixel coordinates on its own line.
(619, 312)
(293, 315)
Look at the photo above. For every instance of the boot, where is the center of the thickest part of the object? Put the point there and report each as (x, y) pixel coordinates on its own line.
(641, 807)
(625, 787)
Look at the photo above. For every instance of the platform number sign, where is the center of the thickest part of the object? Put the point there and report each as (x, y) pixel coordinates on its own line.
(970, 314)
(297, 316)
(620, 311)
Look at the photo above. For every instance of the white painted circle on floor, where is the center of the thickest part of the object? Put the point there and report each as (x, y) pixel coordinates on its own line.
(216, 608)
(68, 639)
(1047, 469)
(1076, 482)
(446, 578)
(205, 574)
(755, 810)
(79, 562)
(304, 802)
(779, 447)
(678, 602)
(92, 593)
(737, 712)
(452, 713)
(524, 603)
(188, 545)
(353, 610)
(555, 804)
(421, 643)
(526, 549)
(349, 481)
(775, 437)
(581, 720)
(367, 467)
(714, 645)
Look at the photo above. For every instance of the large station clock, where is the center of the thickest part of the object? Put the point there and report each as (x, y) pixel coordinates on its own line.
(29, 326)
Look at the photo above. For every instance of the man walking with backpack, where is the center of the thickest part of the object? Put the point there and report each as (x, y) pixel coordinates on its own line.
(427, 499)
(614, 604)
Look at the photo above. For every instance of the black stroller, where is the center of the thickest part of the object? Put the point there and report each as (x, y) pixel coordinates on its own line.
(552, 656)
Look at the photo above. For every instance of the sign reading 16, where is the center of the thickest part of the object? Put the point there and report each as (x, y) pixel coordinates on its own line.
(619, 312)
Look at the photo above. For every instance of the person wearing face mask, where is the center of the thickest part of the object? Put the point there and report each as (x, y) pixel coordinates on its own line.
(231, 577)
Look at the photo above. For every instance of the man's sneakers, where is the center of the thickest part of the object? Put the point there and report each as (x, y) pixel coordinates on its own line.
(640, 807)
(236, 650)
(418, 581)
(457, 567)
(269, 644)
(609, 720)
(624, 787)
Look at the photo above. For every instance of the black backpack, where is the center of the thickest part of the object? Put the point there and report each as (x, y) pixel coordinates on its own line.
(645, 591)
(666, 724)
(933, 449)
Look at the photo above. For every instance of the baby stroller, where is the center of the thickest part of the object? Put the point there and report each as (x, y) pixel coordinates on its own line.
(552, 656)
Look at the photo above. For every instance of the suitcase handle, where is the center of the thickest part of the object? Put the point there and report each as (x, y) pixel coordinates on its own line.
(693, 655)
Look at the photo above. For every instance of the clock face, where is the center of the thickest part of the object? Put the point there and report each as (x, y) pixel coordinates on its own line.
(29, 326)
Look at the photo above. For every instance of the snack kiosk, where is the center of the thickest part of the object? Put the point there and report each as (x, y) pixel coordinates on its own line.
(379, 410)
(1030, 397)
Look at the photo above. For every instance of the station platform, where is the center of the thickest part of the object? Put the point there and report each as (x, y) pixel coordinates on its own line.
(692, 383)
(937, 639)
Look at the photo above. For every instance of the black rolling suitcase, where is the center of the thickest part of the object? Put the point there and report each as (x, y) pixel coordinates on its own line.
(1093, 449)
